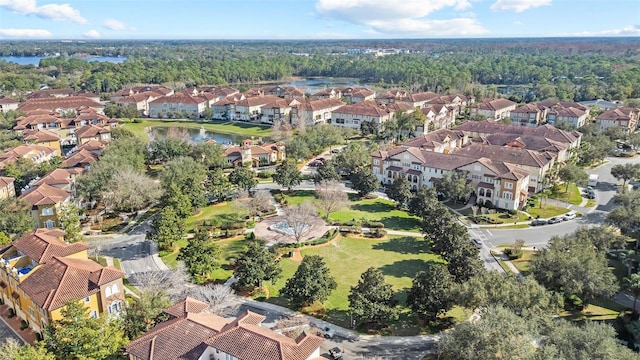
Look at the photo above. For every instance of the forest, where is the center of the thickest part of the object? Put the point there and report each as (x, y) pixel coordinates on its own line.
(567, 69)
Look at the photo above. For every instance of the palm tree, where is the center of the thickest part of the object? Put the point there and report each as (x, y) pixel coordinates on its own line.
(632, 284)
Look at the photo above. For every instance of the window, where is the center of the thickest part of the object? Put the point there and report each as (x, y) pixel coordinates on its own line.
(508, 185)
(32, 313)
(93, 314)
(111, 290)
(376, 162)
(416, 167)
(475, 177)
(507, 195)
(115, 307)
(86, 299)
(47, 211)
(376, 170)
(49, 224)
(488, 179)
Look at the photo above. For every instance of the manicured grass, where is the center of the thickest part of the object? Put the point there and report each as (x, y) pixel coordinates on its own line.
(524, 263)
(381, 210)
(399, 259)
(225, 211)
(547, 211)
(506, 218)
(225, 127)
(599, 310)
(519, 226)
(116, 263)
(591, 203)
(572, 194)
(101, 260)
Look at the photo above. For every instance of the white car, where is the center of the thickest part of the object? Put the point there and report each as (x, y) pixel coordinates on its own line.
(569, 216)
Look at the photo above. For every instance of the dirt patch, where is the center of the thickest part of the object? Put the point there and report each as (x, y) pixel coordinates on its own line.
(297, 255)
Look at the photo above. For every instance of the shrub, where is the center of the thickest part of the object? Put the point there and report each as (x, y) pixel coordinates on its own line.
(137, 121)
(513, 212)
(23, 325)
(512, 254)
(373, 225)
(12, 313)
(265, 174)
(233, 226)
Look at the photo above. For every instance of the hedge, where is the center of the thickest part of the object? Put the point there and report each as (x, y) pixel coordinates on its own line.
(328, 236)
(374, 225)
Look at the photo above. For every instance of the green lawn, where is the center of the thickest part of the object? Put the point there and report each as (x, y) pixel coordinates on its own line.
(225, 127)
(591, 203)
(524, 263)
(224, 211)
(381, 210)
(572, 194)
(399, 259)
(546, 211)
(599, 310)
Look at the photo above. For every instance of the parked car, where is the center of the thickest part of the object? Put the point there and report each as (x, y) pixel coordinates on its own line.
(555, 220)
(336, 353)
(590, 195)
(478, 243)
(336, 150)
(328, 332)
(538, 222)
(321, 159)
(315, 163)
(569, 216)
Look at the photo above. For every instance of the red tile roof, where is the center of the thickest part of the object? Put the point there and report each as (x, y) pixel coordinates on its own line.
(495, 104)
(61, 279)
(40, 135)
(44, 195)
(71, 102)
(42, 244)
(7, 100)
(89, 131)
(188, 305)
(365, 108)
(545, 131)
(79, 159)
(6, 181)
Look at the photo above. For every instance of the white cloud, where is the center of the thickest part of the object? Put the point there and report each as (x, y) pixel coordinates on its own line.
(91, 34)
(518, 5)
(25, 33)
(406, 18)
(517, 23)
(49, 11)
(631, 30)
(117, 25)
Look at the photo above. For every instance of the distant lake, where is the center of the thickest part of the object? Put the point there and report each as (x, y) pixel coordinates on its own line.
(195, 135)
(313, 85)
(35, 60)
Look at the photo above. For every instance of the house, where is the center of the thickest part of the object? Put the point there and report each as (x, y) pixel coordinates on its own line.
(496, 109)
(40, 273)
(421, 99)
(224, 109)
(139, 100)
(355, 115)
(8, 104)
(96, 147)
(155, 89)
(278, 110)
(502, 184)
(45, 201)
(60, 104)
(42, 137)
(177, 105)
(92, 132)
(441, 141)
(315, 111)
(285, 92)
(475, 129)
(328, 93)
(528, 115)
(536, 143)
(193, 334)
(36, 153)
(437, 116)
(623, 117)
(354, 95)
(393, 95)
(7, 188)
(571, 116)
(64, 179)
(250, 108)
(257, 155)
(83, 158)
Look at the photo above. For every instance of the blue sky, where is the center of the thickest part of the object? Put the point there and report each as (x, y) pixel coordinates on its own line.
(315, 19)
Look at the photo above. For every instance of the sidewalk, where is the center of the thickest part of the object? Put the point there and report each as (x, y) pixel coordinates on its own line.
(26, 336)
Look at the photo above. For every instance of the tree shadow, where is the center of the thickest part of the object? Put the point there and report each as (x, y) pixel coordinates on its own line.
(404, 245)
(405, 268)
(374, 208)
(401, 223)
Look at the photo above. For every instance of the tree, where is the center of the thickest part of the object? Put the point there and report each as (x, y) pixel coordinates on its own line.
(301, 219)
(168, 148)
(625, 172)
(15, 217)
(571, 265)
(632, 284)
(179, 201)
(243, 178)
(130, 191)
(497, 334)
(591, 340)
(167, 228)
(281, 130)
(78, 336)
(430, 294)
(327, 171)
(364, 181)
(189, 176)
(208, 154)
(213, 294)
(287, 174)
(201, 255)
(454, 185)
(463, 261)
(626, 215)
(256, 264)
(331, 195)
(571, 173)
(218, 185)
(399, 190)
(372, 299)
(311, 282)
(353, 158)
(69, 218)
(525, 297)
(257, 203)
(144, 312)
(11, 350)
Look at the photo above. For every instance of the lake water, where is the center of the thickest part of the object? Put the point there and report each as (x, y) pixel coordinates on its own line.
(35, 60)
(313, 85)
(195, 135)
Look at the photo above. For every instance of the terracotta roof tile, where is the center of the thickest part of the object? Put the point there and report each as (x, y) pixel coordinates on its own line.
(42, 244)
(188, 305)
(89, 131)
(44, 195)
(79, 159)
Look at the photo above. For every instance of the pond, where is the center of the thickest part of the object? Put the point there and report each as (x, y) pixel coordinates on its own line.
(313, 85)
(195, 135)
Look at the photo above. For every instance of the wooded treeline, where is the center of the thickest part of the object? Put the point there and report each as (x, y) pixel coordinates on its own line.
(573, 70)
